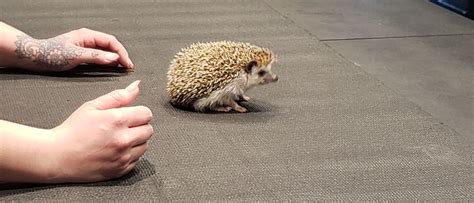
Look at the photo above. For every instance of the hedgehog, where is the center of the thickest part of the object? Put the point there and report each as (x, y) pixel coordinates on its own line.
(214, 76)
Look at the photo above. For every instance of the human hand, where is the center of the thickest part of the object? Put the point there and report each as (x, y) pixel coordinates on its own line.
(102, 139)
(68, 50)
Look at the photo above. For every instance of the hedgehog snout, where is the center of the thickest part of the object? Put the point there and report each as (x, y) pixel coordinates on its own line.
(274, 78)
(270, 78)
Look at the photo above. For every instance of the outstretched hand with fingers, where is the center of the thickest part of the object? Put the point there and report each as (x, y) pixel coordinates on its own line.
(103, 139)
(60, 53)
(98, 48)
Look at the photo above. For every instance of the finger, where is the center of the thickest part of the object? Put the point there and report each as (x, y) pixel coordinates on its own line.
(127, 169)
(117, 98)
(95, 56)
(139, 135)
(134, 115)
(97, 39)
(137, 152)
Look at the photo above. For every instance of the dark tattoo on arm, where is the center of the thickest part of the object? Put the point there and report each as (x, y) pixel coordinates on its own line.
(50, 54)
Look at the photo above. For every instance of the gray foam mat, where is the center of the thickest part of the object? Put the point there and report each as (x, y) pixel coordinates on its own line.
(325, 131)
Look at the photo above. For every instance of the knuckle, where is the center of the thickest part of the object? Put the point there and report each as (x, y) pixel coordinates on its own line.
(126, 169)
(113, 37)
(122, 143)
(84, 30)
(120, 168)
(117, 117)
(124, 160)
(91, 103)
(117, 95)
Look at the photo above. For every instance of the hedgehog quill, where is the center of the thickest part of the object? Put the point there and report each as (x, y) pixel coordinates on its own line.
(214, 76)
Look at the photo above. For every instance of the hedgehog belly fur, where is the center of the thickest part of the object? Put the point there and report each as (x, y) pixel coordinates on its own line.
(224, 96)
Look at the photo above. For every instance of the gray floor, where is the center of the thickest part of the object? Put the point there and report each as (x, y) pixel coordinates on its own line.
(419, 49)
(374, 102)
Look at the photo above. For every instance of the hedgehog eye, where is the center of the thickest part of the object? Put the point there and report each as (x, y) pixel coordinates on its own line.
(261, 73)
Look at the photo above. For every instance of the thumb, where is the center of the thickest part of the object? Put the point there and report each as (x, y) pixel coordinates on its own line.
(96, 56)
(118, 98)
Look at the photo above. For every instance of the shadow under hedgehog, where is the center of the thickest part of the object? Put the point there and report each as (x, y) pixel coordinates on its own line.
(214, 76)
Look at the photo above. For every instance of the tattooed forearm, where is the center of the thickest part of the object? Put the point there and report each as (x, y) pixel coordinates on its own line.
(50, 54)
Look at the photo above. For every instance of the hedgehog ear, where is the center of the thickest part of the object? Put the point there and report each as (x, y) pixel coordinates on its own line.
(250, 65)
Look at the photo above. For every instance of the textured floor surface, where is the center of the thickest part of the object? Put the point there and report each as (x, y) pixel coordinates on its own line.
(333, 128)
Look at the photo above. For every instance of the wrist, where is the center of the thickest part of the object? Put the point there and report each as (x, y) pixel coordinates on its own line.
(19, 52)
(44, 167)
(26, 154)
(49, 167)
(8, 56)
(7, 50)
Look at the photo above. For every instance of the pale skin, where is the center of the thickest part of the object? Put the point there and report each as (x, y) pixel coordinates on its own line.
(103, 139)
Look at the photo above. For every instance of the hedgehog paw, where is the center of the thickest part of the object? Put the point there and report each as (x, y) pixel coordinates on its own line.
(235, 106)
(223, 109)
(240, 109)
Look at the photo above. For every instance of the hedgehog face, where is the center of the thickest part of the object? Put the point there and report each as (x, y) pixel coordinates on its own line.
(259, 75)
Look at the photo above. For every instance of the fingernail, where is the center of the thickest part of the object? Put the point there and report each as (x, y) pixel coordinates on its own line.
(133, 86)
(111, 57)
(130, 64)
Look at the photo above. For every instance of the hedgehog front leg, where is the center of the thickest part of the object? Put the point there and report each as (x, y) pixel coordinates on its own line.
(244, 97)
(223, 109)
(235, 106)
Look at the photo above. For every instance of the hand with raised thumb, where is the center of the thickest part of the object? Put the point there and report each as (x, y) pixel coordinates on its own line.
(102, 139)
